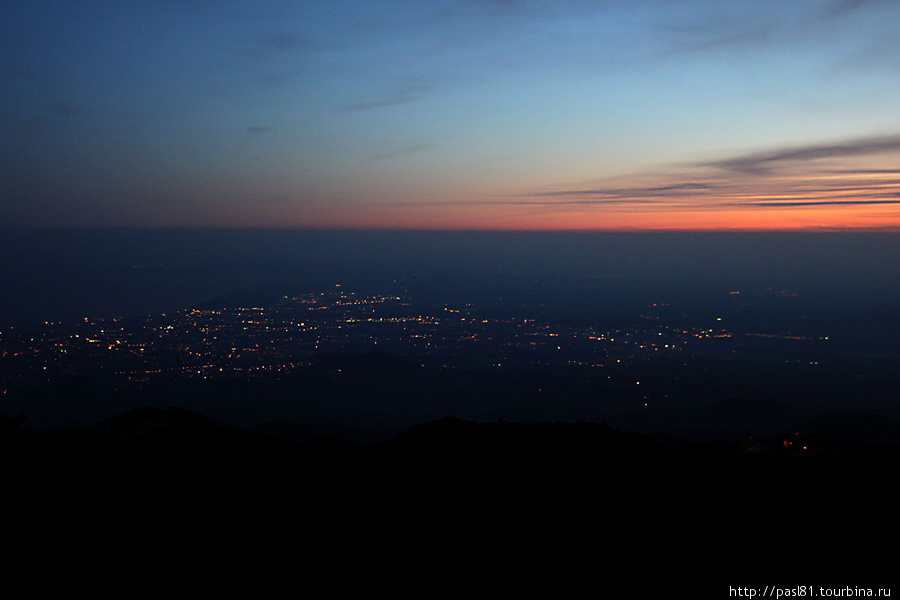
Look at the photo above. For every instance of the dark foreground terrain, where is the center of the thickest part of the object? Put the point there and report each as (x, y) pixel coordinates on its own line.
(159, 503)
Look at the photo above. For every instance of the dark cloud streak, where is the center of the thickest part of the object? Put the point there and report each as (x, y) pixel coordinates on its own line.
(632, 192)
(401, 152)
(748, 181)
(762, 163)
(865, 171)
(400, 95)
(691, 39)
(841, 8)
(802, 203)
(288, 42)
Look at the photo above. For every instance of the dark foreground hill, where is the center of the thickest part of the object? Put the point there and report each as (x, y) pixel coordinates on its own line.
(157, 503)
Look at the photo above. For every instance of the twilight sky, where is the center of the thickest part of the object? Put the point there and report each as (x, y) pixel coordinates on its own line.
(478, 114)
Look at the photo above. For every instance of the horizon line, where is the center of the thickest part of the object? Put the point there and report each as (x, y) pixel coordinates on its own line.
(350, 229)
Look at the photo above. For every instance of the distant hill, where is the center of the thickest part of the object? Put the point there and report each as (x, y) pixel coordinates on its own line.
(146, 420)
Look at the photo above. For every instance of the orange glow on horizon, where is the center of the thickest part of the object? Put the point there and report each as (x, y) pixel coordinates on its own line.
(839, 193)
(490, 217)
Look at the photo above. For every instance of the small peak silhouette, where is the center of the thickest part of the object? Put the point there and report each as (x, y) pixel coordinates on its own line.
(146, 420)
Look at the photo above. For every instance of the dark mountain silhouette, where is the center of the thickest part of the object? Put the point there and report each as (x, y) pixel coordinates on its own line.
(304, 432)
(169, 503)
(147, 420)
(8, 424)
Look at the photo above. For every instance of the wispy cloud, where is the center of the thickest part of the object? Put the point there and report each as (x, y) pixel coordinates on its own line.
(389, 100)
(403, 94)
(252, 134)
(819, 175)
(663, 190)
(865, 171)
(278, 78)
(762, 163)
(289, 42)
(286, 41)
(840, 8)
(801, 203)
(688, 39)
(256, 130)
(401, 152)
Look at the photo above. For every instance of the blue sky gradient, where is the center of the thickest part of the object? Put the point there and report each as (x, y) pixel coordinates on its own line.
(451, 114)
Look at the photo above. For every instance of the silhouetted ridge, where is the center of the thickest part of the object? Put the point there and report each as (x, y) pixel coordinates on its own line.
(520, 445)
(305, 432)
(146, 420)
(9, 424)
(171, 504)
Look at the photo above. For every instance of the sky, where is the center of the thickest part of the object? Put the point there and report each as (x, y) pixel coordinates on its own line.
(451, 114)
